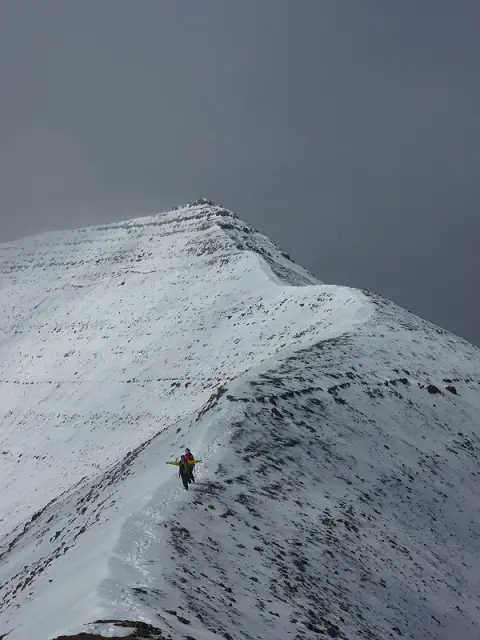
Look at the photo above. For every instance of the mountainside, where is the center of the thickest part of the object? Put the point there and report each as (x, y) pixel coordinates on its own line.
(339, 437)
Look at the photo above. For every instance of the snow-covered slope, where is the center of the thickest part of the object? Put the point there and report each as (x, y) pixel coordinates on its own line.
(339, 436)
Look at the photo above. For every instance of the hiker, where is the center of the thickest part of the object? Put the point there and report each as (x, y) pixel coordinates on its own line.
(191, 463)
(184, 472)
(184, 469)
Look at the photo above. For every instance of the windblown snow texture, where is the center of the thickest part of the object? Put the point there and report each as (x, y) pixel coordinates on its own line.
(339, 437)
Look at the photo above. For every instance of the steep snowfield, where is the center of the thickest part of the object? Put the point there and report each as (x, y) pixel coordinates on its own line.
(339, 438)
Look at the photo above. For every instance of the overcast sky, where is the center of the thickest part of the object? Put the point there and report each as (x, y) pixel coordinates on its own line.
(346, 130)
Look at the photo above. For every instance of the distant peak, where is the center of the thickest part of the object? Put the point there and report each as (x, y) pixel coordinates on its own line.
(202, 201)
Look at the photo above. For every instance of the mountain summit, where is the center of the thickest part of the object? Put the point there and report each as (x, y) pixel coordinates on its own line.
(337, 493)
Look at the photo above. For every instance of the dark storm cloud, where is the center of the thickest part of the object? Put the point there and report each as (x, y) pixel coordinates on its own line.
(346, 131)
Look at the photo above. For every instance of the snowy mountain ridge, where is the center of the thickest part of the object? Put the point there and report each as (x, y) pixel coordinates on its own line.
(339, 438)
